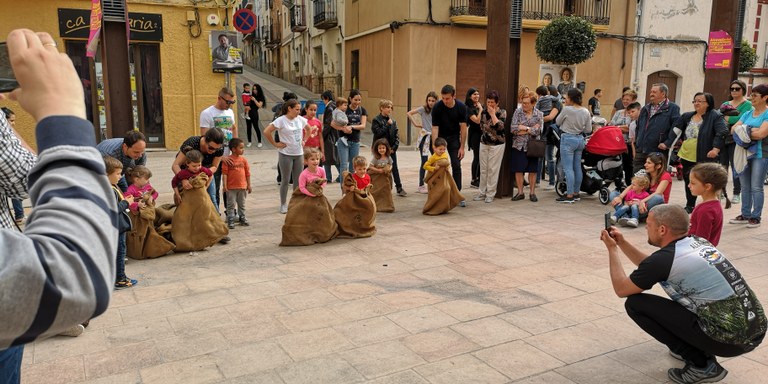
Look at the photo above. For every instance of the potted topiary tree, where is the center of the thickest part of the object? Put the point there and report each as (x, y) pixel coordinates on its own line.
(567, 40)
(747, 57)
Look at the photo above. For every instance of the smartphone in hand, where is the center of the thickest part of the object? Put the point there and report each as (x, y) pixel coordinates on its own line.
(7, 79)
(607, 218)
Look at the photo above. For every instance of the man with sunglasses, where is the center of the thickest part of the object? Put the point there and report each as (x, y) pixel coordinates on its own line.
(220, 115)
(211, 145)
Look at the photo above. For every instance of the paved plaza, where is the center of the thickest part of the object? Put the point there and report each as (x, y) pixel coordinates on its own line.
(491, 293)
(507, 292)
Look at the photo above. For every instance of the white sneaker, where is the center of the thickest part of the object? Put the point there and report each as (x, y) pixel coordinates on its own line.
(613, 219)
(549, 187)
(283, 209)
(75, 331)
(632, 223)
(479, 197)
(423, 189)
(623, 221)
(259, 145)
(489, 199)
(249, 144)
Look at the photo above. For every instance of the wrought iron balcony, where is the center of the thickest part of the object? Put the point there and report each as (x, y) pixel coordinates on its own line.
(536, 13)
(325, 14)
(597, 12)
(298, 21)
(272, 40)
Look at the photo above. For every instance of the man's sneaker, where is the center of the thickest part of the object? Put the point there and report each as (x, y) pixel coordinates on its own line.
(754, 222)
(613, 219)
(736, 198)
(249, 144)
(690, 374)
(479, 197)
(489, 199)
(463, 203)
(576, 197)
(125, 283)
(549, 187)
(401, 192)
(74, 331)
(244, 222)
(676, 355)
(423, 189)
(473, 185)
(225, 240)
(632, 222)
(740, 219)
(565, 199)
(231, 224)
(259, 145)
(283, 209)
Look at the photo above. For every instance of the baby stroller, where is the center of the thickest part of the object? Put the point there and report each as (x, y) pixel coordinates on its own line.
(601, 164)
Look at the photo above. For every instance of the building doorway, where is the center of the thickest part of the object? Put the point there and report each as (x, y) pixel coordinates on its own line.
(666, 77)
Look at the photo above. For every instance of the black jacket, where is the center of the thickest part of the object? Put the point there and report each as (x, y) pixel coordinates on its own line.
(712, 133)
(382, 129)
(655, 130)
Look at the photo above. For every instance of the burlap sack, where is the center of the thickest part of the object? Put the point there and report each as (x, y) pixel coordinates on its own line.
(355, 213)
(196, 224)
(143, 242)
(164, 214)
(309, 219)
(443, 194)
(381, 189)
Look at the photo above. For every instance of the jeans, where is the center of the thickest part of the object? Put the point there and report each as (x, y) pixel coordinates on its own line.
(120, 258)
(10, 365)
(212, 193)
(347, 153)
(490, 164)
(677, 328)
(453, 152)
(632, 210)
(396, 172)
(752, 194)
(18, 209)
(726, 159)
(550, 155)
(571, 147)
(289, 165)
(653, 201)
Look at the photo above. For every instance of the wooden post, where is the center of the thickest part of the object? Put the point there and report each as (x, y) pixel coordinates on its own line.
(117, 76)
(502, 67)
(724, 17)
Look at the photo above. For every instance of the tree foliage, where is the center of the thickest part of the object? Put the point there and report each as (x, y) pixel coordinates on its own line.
(747, 57)
(567, 40)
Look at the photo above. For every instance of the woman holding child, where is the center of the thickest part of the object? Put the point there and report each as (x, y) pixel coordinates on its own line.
(527, 123)
(349, 140)
(660, 185)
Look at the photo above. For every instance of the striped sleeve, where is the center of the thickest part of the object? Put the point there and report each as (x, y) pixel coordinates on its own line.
(60, 271)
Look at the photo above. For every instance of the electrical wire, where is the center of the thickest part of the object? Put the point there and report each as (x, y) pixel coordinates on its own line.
(657, 40)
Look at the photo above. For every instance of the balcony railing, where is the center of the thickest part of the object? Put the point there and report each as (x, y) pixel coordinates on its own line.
(468, 8)
(298, 21)
(595, 11)
(273, 39)
(536, 13)
(325, 14)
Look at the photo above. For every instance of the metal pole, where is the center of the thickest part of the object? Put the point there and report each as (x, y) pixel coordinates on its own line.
(408, 121)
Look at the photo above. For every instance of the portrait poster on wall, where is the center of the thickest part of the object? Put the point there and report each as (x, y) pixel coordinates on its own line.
(561, 76)
(225, 53)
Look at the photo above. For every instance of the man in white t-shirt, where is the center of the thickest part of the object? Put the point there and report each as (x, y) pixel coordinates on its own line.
(220, 115)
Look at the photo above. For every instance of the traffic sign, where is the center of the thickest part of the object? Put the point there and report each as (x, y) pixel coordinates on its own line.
(244, 20)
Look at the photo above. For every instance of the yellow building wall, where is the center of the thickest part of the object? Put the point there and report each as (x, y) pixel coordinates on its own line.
(181, 110)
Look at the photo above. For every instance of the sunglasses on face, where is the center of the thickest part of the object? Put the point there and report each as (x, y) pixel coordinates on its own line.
(735, 89)
(230, 102)
(211, 148)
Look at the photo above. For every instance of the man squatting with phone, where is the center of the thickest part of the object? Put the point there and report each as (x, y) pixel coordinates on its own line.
(712, 311)
(59, 272)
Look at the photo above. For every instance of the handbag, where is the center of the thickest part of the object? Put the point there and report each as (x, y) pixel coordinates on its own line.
(536, 147)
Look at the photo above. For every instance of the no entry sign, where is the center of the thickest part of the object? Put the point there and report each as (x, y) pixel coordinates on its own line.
(244, 21)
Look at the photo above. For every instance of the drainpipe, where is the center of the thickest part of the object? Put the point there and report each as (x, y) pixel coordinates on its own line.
(195, 126)
(640, 46)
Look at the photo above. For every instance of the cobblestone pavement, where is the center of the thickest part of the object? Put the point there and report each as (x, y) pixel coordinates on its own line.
(491, 293)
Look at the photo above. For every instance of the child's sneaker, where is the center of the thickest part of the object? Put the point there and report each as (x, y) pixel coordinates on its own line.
(244, 222)
(462, 203)
(423, 189)
(401, 192)
(74, 331)
(623, 221)
(125, 283)
(613, 219)
(632, 223)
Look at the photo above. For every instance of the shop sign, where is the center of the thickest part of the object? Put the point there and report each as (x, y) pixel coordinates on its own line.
(76, 24)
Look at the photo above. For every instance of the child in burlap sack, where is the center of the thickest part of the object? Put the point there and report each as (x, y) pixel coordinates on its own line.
(141, 188)
(380, 172)
(360, 176)
(194, 168)
(310, 217)
(443, 194)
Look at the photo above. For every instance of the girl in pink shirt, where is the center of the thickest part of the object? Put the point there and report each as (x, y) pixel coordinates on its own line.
(140, 176)
(312, 171)
(628, 213)
(313, 132)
